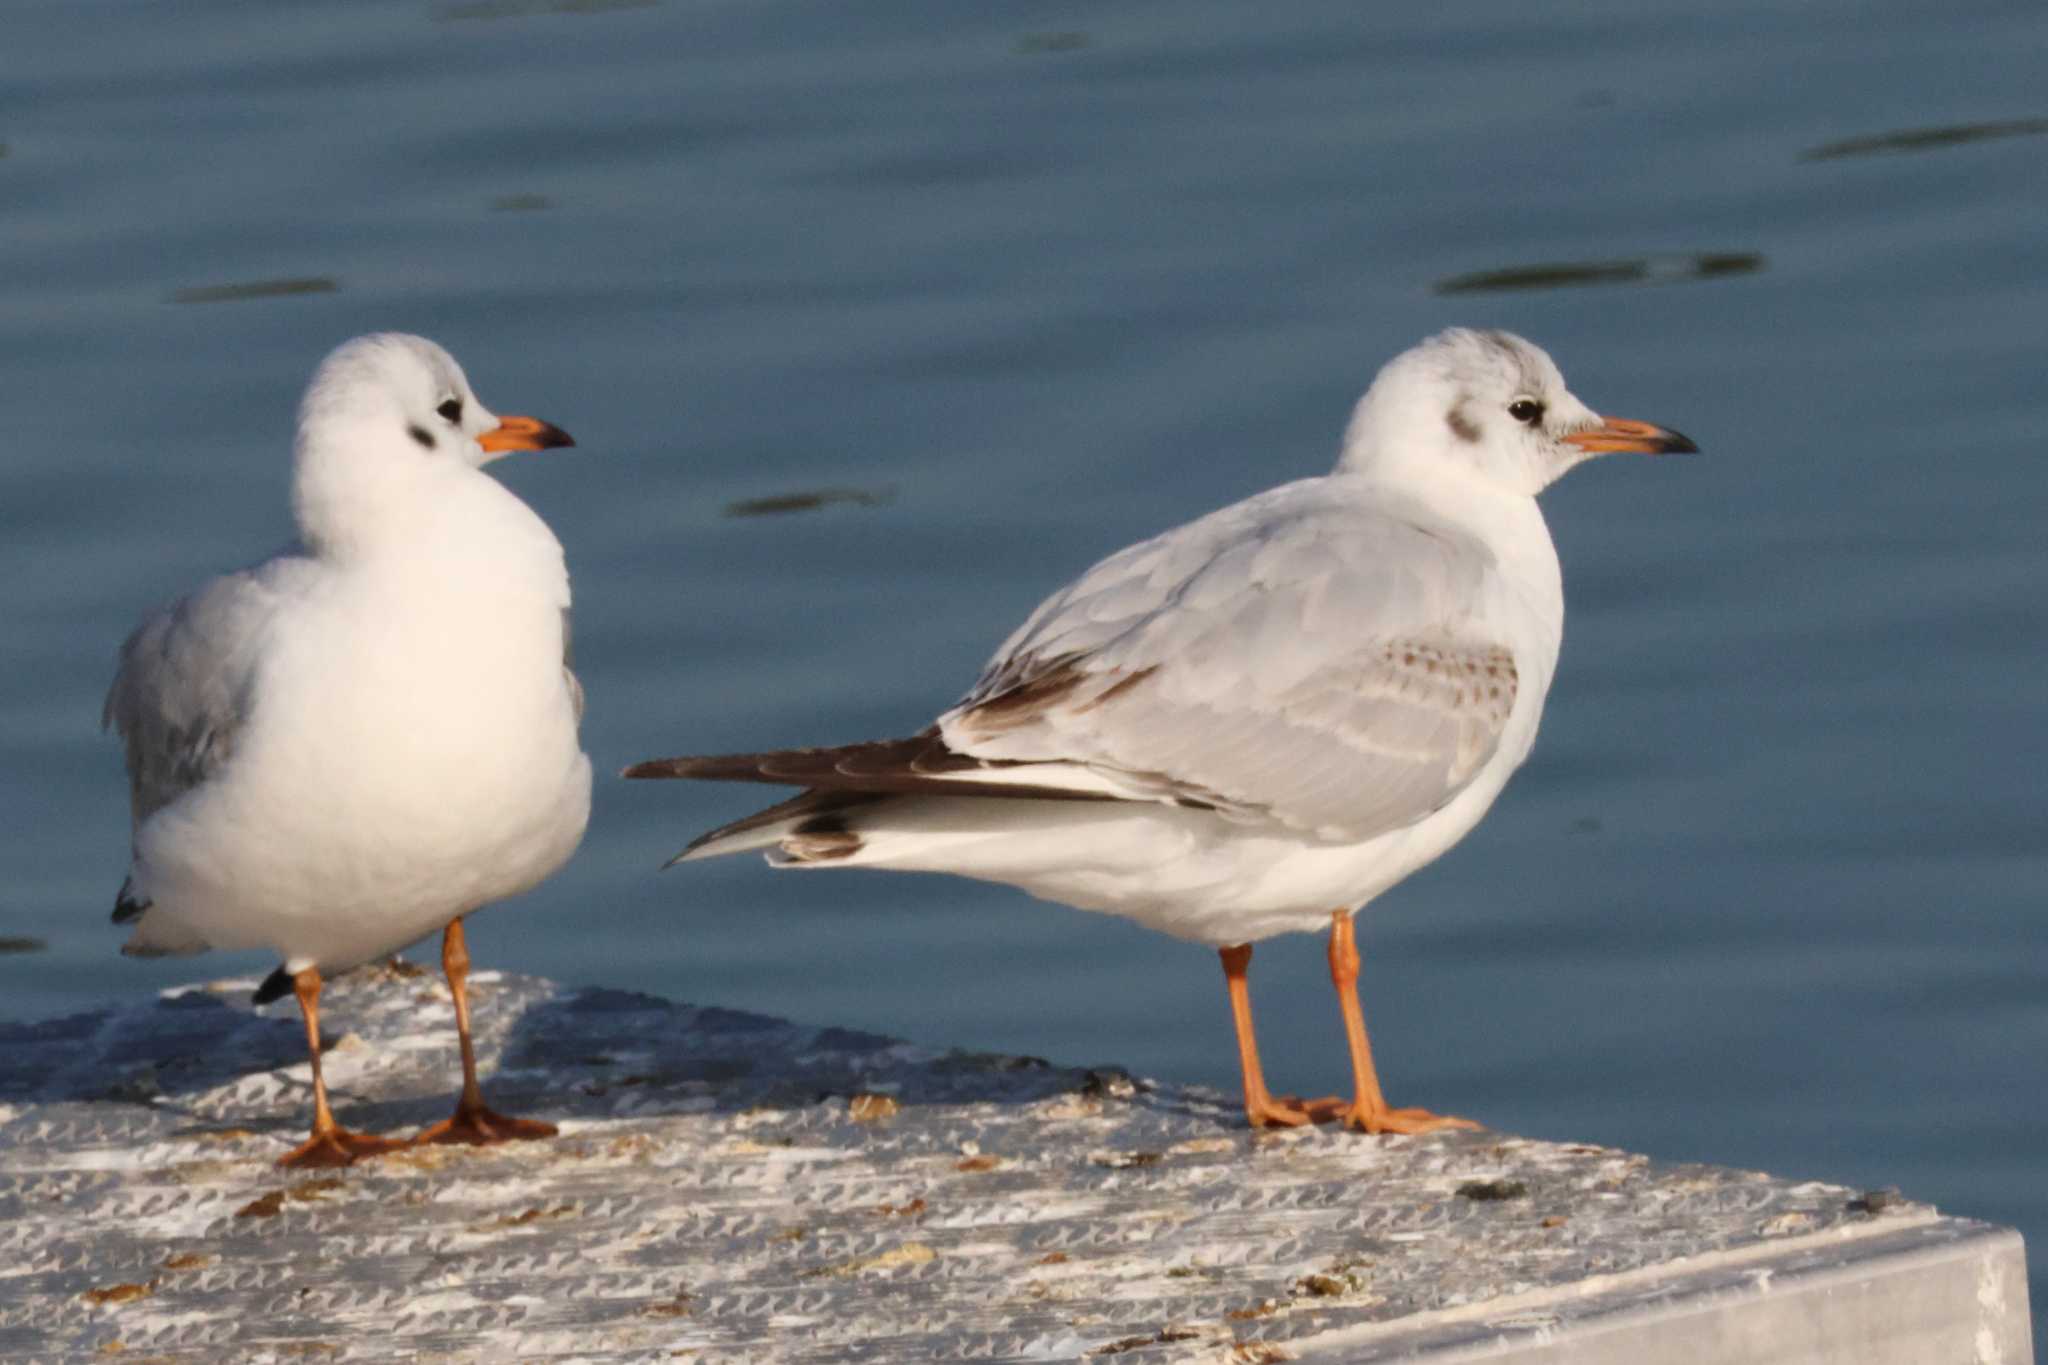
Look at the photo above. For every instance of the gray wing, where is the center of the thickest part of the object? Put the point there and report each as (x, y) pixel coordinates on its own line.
(1306, 659)
(182, 692)
(569, 666)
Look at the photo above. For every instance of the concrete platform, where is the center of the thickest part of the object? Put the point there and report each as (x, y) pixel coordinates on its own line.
(729, 1187)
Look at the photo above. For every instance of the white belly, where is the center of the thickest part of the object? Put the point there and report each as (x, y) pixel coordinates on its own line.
(1188, 873)
(395, 773)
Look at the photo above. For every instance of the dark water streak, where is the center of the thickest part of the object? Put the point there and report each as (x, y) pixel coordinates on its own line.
(254, 289)
(1925, 139)
(1637, 270)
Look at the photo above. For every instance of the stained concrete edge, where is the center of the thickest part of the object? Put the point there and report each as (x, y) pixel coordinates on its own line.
(739, 1190)
(1945, 1290)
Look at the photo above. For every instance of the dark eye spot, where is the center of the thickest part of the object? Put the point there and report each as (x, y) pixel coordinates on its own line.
(420, 434)
(452, 410)
(1526, 411)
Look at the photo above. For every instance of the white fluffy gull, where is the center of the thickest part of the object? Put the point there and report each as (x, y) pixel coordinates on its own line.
(362, 739)
(1256, 722)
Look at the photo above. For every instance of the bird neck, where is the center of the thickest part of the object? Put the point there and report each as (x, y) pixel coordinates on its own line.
(420, 517)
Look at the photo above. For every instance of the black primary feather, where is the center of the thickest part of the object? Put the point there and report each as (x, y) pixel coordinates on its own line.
(276, 986)
(127, 905)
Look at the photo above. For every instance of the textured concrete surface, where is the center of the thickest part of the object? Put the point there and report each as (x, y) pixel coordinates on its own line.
(729, 1187)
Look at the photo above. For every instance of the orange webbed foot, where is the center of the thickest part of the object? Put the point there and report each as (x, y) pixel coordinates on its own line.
(1328, 1109)
(1291, 1111)
(1276, 1113)
(481, 1127)
(338, 1147)
(1365, 1120)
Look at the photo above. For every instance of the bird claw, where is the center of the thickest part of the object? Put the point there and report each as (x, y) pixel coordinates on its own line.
(481, 1126)
(1290, 1111)
(1328, 1109)
(337, 1147)
(1366, 1120)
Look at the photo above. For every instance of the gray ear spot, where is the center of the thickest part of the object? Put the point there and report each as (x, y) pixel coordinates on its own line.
(421, 435)
(1462, 427)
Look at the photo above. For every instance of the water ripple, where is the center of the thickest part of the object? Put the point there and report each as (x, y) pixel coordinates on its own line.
(1669, 269)
(1924, 139)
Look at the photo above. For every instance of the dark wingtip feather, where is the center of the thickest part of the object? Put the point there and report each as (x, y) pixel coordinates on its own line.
(276, 986)
(728, 767)
(127, 905)
(803, 806)
(657, 767)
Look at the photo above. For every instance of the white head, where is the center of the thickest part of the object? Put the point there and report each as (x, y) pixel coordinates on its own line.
(385, 415)
(1489, 403)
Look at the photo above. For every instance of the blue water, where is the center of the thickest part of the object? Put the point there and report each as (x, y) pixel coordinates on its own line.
(1043, 279)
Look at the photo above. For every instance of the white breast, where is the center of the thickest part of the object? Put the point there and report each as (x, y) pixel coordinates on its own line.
(410, 753)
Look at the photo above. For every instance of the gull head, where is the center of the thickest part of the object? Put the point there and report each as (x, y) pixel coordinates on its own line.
(1489, 404)
(386, 414)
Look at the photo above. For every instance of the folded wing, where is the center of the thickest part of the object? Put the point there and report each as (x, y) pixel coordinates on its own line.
(182, 693)
(1297, 659)
(1306, 659)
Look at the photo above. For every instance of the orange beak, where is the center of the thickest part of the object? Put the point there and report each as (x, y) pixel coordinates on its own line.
(1624, 433)
(524, 433)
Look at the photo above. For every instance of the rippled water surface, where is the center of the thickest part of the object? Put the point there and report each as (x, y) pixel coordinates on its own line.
(876, 322)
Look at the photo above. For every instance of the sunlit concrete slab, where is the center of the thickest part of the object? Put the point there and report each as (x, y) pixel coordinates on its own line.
(1917, 1289)
(729, 1187)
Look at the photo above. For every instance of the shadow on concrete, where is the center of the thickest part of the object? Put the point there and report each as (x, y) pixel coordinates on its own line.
(207, 1060)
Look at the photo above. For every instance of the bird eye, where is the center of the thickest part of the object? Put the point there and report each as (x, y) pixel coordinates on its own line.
(452, 410)
(1526, 410)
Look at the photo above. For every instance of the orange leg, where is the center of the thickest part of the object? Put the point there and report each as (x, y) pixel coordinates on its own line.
(1369, 1111)
(331, 1144)
(473, 1122)
(1261, 1107)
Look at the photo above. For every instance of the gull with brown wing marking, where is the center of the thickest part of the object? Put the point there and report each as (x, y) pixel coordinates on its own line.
(1257, 722)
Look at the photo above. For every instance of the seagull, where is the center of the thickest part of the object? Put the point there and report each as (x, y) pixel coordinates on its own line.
(1259, 721)
(366, 737)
